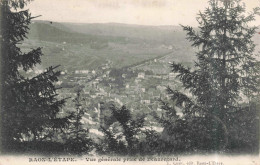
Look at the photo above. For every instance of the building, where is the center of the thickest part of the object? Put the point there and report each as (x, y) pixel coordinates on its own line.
(141, 75)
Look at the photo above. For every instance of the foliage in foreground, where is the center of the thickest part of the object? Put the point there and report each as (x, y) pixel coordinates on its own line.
(122, 136)
(220, 113)
(77, 140)
(29, 106)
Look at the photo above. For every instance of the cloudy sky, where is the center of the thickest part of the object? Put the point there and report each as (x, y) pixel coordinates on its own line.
(143, 12)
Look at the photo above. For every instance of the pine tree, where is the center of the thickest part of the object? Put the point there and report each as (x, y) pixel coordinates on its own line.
(130, 128)
(225, 75)
(78, 139)
(29, 106)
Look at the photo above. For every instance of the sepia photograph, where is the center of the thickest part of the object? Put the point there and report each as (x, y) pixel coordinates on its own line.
(172, 82)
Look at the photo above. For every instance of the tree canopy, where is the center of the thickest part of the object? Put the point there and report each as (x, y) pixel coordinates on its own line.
(29, 106)
(224, 76)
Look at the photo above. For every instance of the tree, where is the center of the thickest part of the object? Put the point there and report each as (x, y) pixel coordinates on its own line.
(29, 106)
(78, 140)
(123, 138)
(225, 75)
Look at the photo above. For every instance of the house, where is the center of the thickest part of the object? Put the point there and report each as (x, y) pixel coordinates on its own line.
(93, 96)
(123, 75)
(82, 71)
(62, 73)
(145, 101)
(58, 82)
(141, 75)
(143, 89)
(38, 71)
(161, 88)
(137, 81)
(170, 47)
(95, 84)
(118, 101)
(172, 76)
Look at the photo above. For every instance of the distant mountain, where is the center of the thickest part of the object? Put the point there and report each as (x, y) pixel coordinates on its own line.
(109, 32)
(87, 46)
(165, 34)
(57, 32)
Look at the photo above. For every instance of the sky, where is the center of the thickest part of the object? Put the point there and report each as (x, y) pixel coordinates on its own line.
(142, 12)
